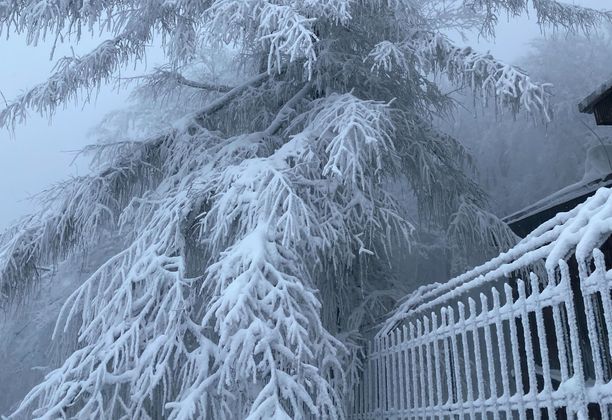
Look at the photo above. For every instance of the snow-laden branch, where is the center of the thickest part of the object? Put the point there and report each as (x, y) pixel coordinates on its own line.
(74, 77)
(77, 209)
(135, 333)
(480, 72)
(549, 12)
(570, 16)
(387, 56)
(357, 137)
(40, 19)
(284, 32)
(78, 78)
(471, 228)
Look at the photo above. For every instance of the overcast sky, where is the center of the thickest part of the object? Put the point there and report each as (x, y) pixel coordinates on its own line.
(38, 154)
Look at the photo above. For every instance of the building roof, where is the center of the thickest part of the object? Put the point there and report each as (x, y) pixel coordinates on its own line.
(587, 105)
(524, 221)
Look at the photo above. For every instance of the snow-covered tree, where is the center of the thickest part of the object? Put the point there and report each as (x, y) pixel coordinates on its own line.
(255, 224)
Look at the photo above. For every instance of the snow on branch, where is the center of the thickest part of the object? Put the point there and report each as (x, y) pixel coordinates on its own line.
(357, 136)
(74, 213)
(74, 76)
(77, 209)
(387, 56)
(40, 18)
(135, 333)
(136, 336)
(133, 25)
(471, 229)
(481, 72)
(570, 16)
(284, 32)
(433, 52)
(549, 12)
(280, 341)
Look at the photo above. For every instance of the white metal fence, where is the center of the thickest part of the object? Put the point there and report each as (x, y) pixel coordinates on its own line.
(498, 347)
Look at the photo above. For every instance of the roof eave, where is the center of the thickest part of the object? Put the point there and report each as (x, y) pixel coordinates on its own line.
(588, 104)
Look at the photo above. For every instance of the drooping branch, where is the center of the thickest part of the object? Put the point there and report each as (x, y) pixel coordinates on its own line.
(570, 16)
(76, 209)
(482, 73)
(75, 76)
(549, 12)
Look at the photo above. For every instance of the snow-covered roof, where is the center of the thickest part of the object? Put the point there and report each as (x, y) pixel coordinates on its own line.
(588, 104)
(569, 193)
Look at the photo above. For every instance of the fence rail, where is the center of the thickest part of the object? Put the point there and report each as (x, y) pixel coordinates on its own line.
(503, 349)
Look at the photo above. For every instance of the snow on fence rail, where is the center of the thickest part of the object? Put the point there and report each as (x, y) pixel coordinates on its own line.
(490, 345)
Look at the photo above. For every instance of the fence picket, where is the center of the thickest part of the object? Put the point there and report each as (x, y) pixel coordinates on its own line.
(415, 386)
(438, 362)
(478, 359)
(380, 378)
(591, 326)
(501, 345)
(457, 369)
(447, 363)
(490, 361)
(604, 286)
(400, 371)
(577, 405)
(467, 362)
(531, 372)
(518, 377)
(421, 371)
(407, 370)
(428, 361)
(547, 390)
(563, 347)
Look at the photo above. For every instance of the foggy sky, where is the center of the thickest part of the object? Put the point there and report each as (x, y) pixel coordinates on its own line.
(37, 155)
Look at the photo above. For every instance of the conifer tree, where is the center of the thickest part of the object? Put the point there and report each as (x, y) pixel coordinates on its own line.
(256, 223)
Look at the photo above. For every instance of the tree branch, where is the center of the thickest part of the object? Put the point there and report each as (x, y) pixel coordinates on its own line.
(181, 80)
